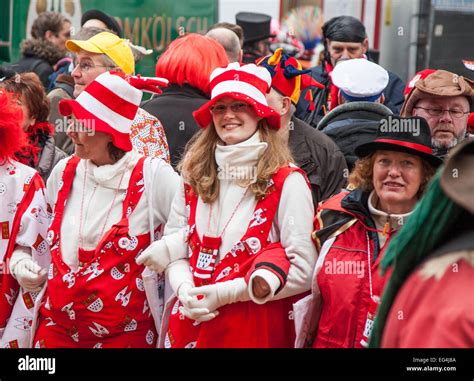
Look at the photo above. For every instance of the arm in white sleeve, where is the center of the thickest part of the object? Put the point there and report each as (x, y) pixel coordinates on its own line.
(173, 245)
(295, 222)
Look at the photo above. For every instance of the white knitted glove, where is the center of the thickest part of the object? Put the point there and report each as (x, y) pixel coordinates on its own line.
(155, 256)
(214, 296)
(29, 275)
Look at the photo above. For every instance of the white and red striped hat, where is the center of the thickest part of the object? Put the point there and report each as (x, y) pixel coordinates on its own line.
(109, 104)
(247, 83)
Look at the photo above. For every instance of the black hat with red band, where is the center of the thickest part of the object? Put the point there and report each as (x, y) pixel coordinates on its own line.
(411, 135)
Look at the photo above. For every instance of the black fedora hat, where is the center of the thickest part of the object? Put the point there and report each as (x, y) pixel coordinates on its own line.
(256, 26)
(411, 135)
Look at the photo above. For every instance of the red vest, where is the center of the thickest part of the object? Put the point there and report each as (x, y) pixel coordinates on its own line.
(103, 304)
(242, 324)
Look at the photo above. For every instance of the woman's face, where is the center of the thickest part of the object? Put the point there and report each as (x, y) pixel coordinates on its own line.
(397, 177)
(88, 143)
(28, 120)
(235, 121)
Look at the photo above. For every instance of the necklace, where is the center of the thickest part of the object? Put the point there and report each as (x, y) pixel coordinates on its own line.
(81, 237)
(231, 216)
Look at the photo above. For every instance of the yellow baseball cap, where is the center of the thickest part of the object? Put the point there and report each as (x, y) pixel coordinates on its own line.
(109, 44)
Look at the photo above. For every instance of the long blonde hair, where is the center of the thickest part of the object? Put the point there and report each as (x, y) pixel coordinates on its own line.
(199, 167)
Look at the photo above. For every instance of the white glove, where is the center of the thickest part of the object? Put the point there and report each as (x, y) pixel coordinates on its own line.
(214, 296)
(29, 275)
(155, 257)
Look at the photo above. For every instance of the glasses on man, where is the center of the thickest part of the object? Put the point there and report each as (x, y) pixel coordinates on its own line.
(237, 107)
(89, 65)
(437, 111)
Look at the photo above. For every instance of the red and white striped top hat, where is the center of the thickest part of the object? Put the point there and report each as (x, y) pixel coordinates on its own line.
(247, 83)
(109, 104)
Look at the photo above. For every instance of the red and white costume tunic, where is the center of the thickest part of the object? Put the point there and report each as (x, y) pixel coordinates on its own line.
(24, 220)
(96, 294)
(284, 216)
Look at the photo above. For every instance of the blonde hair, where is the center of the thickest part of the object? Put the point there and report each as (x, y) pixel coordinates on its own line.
(199, 167)
(362, 176)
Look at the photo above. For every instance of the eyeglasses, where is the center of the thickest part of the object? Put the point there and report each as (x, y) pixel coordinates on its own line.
(455, 113)
(86, 66)
(234, 107)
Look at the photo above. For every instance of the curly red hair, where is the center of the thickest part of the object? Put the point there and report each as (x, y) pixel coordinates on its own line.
(12, 136)
(190, 60)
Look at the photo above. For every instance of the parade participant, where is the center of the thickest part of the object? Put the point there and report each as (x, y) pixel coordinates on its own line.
(433, 266)
(240, 195)
(361, 85)
(104, 52)
(24, 221)
(312, 150)
(353, 230)
(40, 153)
(344, 38)
(445, 100)
(108, 203)
(257, 34)
(187, 63)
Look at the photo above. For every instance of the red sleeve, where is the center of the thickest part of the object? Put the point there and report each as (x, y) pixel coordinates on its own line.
(273, 258)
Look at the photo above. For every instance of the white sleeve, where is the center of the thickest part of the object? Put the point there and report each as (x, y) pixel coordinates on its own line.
(173, 245)
(165, 186)
(295, 222)
(52, 185)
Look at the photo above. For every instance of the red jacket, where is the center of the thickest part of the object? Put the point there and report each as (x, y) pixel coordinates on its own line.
(347, 288)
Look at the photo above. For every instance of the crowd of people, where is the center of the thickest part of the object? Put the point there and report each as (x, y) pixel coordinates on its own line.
(248, 203)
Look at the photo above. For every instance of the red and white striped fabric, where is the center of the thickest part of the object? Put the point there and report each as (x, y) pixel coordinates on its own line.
(247, 83)
(108, 104)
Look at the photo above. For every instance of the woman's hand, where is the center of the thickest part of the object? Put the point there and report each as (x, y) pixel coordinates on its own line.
(260, 288)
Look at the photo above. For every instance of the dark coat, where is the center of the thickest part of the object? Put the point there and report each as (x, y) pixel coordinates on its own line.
(38, 56)
(320, 158)
(352, 124)
(174, 109)
(393, 93)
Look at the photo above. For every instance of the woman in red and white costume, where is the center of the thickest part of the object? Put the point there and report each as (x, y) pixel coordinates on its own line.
(102, 196)
(24, 220)
(240, 197)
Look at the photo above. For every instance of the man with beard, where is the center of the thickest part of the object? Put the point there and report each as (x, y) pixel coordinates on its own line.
(344, 38)
(445, 100)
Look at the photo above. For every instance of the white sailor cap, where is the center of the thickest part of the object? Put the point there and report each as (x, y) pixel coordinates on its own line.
(360, 79)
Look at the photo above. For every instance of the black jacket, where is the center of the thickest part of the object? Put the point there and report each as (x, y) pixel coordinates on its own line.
(174, 108)
(39, 56)
(352, 124)
(393, 93)
(320, 158)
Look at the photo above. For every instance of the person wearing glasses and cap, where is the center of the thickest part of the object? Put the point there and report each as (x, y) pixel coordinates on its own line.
(240, 197)
(108, 203)
(106, 51)
(445, 100)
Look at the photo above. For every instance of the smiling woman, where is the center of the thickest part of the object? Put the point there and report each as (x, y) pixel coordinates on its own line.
(389, 178)
(224, 223)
